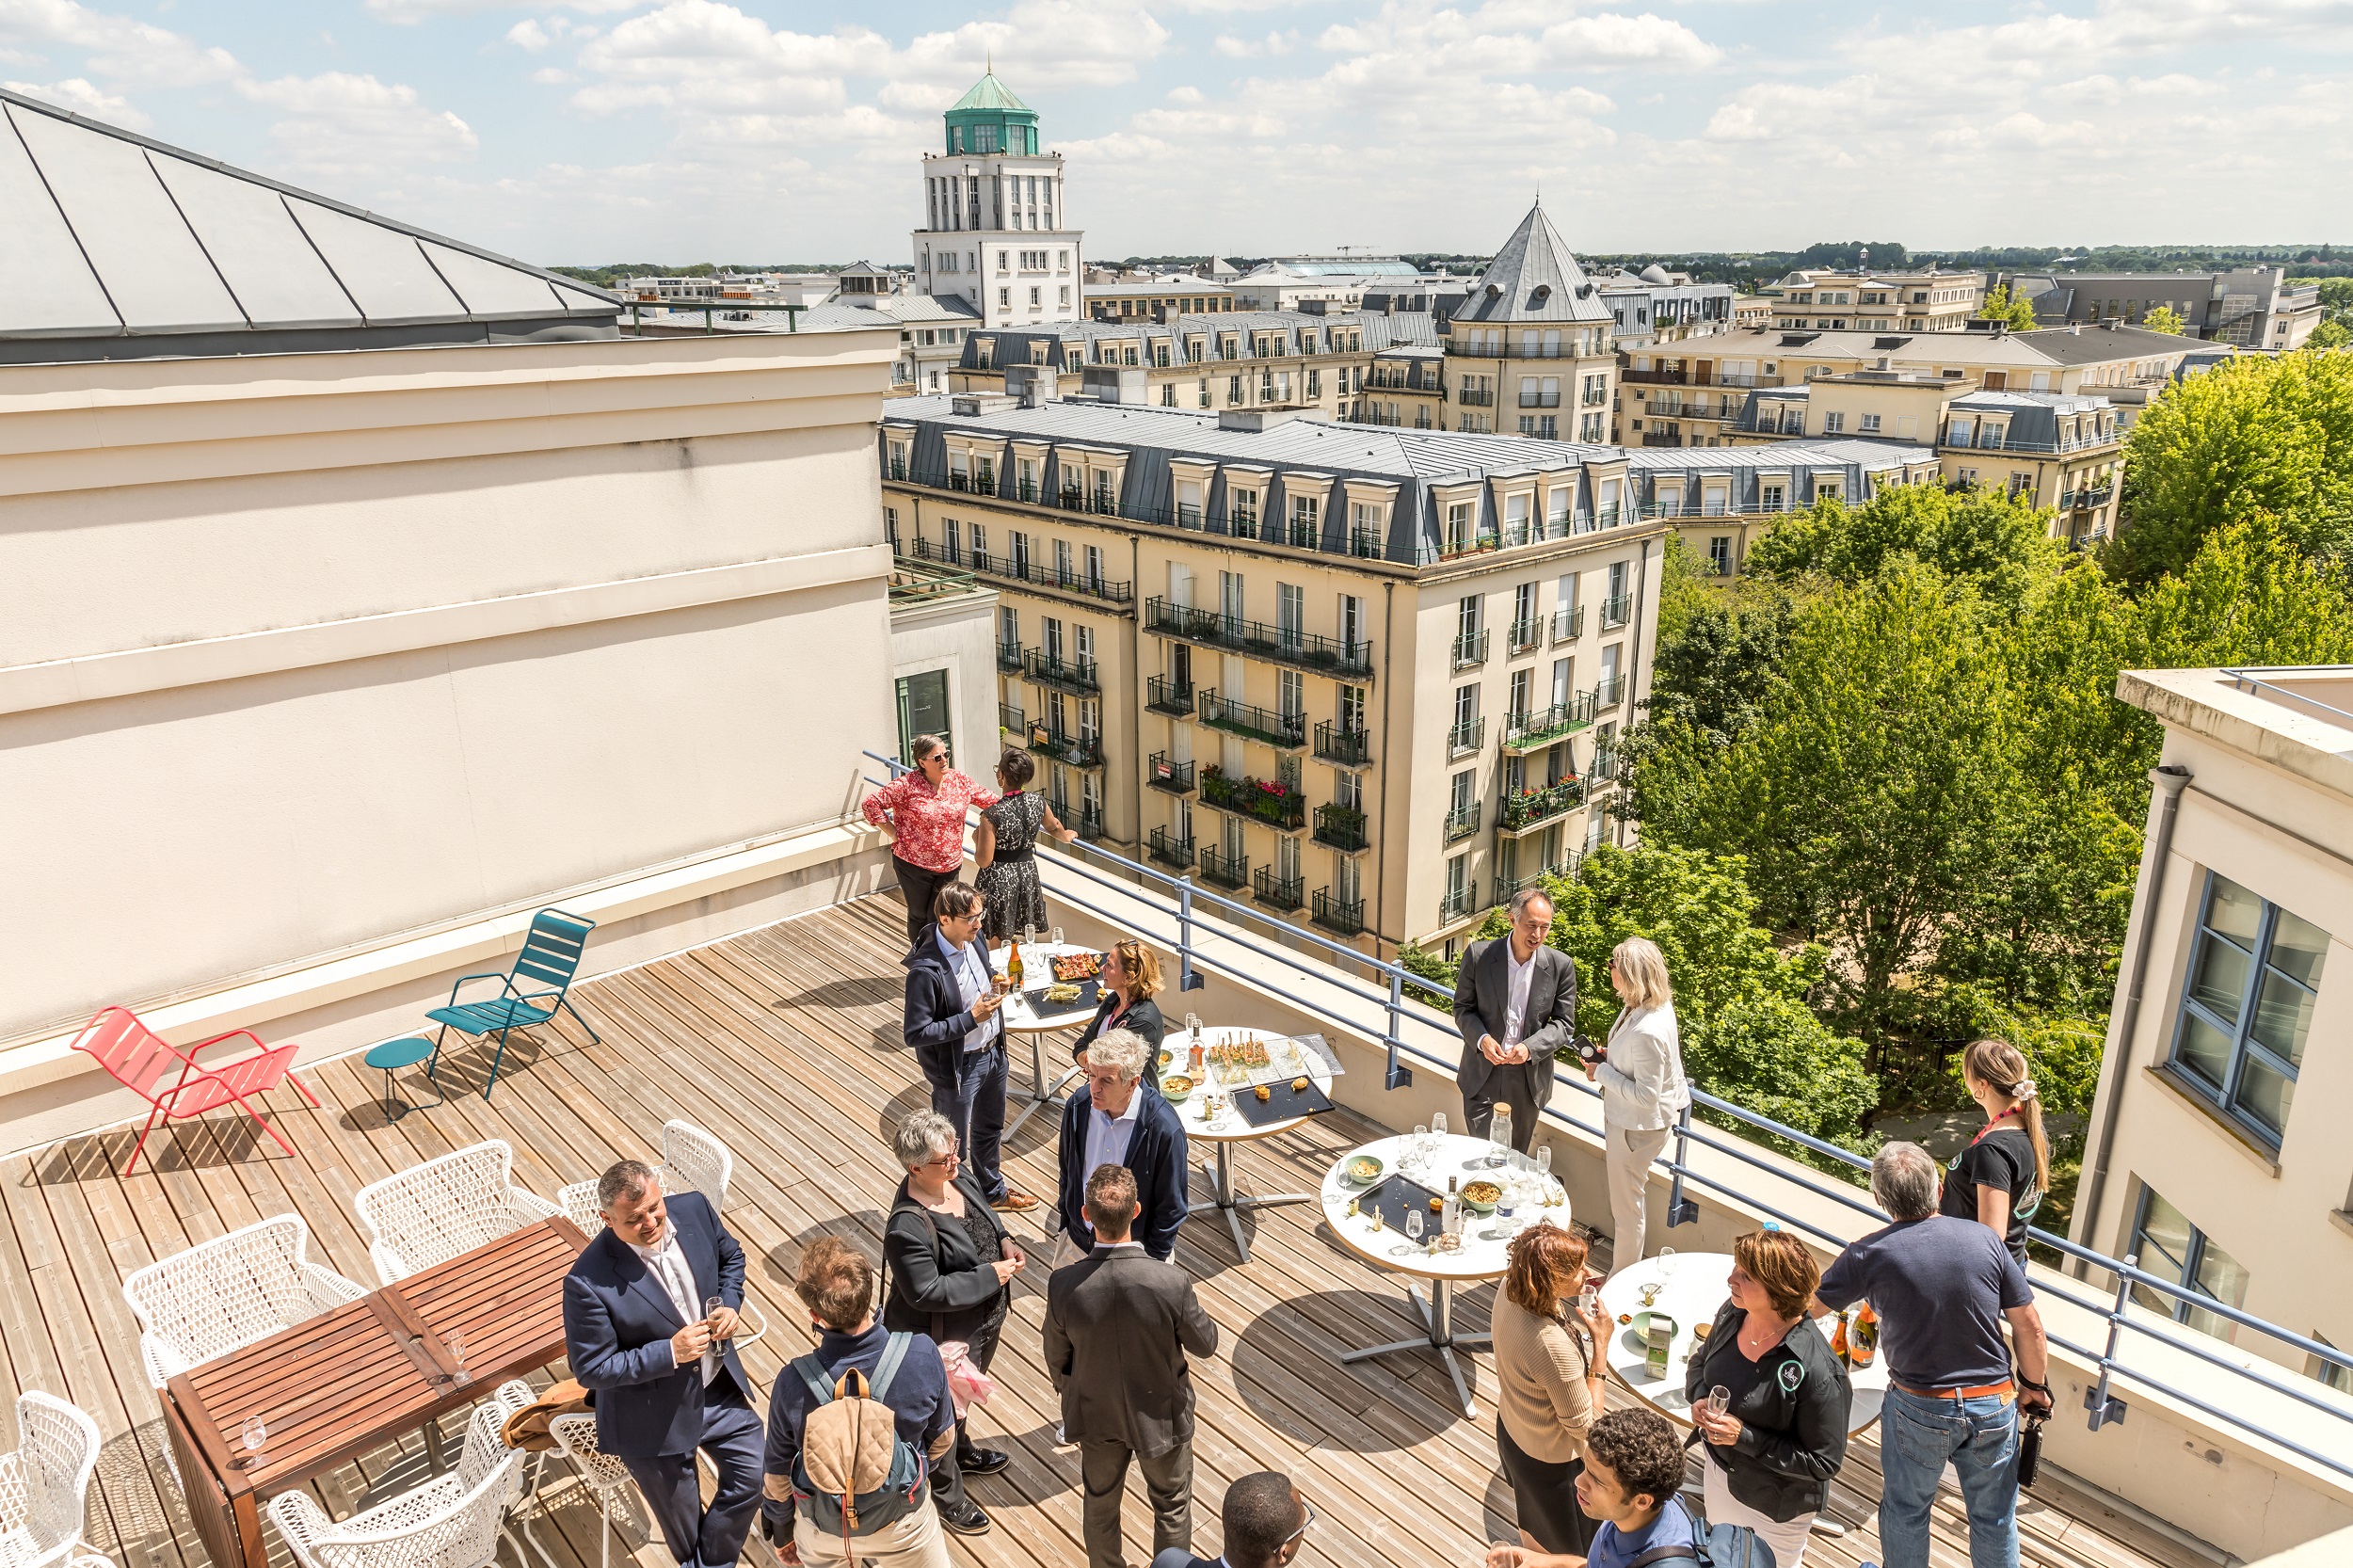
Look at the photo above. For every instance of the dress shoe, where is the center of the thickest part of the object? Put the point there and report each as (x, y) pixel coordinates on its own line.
(967, 1520)
(982, 1462)
(1014, 1202)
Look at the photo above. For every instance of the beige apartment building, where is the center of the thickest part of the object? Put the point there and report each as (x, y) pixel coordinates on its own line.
(1529, 350)
(2216, 1152)
(1369, 676)
(1931, 299)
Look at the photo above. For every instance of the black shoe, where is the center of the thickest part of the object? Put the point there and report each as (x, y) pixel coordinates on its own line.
(968, 1520)
(982, 1462)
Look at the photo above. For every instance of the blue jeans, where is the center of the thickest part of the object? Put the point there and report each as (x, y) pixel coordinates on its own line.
(1979, 1437)
(976, 1103)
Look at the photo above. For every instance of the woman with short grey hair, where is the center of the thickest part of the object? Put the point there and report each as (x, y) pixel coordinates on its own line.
(951, 1266)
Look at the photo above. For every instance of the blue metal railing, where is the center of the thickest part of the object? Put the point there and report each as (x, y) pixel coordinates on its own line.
(2104, 1408)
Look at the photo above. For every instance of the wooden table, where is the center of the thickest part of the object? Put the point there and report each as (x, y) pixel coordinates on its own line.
(343, 1383)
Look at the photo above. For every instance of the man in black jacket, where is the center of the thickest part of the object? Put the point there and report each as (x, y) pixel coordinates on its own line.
(953, 1027)
(1265, 1521)
(1515, 1003)
(1118, 1325)
(1118, 1119)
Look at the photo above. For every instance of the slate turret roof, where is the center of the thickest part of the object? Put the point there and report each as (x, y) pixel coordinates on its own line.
(1533, 278)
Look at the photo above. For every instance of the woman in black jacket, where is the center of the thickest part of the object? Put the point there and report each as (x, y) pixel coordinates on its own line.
(1131, 979)
(951, 1266)
(1771, 1454)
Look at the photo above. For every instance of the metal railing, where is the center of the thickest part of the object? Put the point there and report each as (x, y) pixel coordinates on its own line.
(1280, 730)
(1340, 826)
(1071, 675)
(1079, 751)
(1526, 634)
(1169, 850)
(1569, 624)
(1527, 732)
(1163, 694)
(1226, 870)
(1349, 747)
(1470, 648)
(1506, 886)
(1530, 807)
(1609, 693)
(1009, 657)
(1462, 822)
(1011, 719)
(1454, 905)
(1174, 777)
(1281, 644)
(1070, 580)
(1385, 986)
(1278, 892)
(1266, 800)
(1615, 609)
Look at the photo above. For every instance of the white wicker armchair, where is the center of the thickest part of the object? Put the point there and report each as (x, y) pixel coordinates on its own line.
(452, 1521)
(430, 1213)
(229, 1291)
(42, 1485)
(604, 1476)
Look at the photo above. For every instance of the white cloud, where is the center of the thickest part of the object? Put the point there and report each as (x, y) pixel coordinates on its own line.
(114, 48)
(1255, 48)
(414, 11)
(339, 126)
(84, 99)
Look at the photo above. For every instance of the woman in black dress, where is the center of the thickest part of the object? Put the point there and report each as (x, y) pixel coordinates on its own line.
(1004, 848)
(1131, 979)
(2001, 1176)
(951, 1266)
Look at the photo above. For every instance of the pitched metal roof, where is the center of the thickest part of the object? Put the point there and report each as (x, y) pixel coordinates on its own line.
(989, 93)
(1533, 278)
(115, 247)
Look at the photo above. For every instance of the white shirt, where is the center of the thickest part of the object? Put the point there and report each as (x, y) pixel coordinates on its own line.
(667, 1264)
(1515, 993)
(1108, 1138)
(973, 982)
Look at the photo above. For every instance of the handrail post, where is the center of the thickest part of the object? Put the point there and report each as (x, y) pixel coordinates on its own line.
(1681, 1210)
(2106, 1409)
(1399, 1074)
(1188, 979)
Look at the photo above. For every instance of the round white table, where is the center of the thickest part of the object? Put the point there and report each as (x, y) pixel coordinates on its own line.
(1484, 1255)
(1021, 1018)
(1231, 1127)
(1691, 1289)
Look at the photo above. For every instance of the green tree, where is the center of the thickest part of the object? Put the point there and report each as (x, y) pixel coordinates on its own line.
(2330, 334)
(1999, 304)
(2164, 318)
(2255, 438)
(1994, 543)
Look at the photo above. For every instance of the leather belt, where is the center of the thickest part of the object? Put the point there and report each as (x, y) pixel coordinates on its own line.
(2006, 1388)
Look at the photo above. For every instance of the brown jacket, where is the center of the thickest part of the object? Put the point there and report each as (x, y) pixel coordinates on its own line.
(1541, 1391)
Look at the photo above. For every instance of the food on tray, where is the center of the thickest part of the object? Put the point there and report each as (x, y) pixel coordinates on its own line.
(1481, 1192)
(1062, 993)
(1300, 1085)
(1264, 1093)
(1437, 1206)
(1076, 965)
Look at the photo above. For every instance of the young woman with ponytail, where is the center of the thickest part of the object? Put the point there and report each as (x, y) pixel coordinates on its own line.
(2001, 1176)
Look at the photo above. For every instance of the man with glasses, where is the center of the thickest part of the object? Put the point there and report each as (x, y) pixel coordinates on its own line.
(952, 1024)
(1118, 1119)
(1266, 1524)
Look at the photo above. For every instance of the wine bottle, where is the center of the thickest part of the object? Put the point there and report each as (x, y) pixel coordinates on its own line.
(1450, 1222)
(1013, 966)
(1839, 1345)
(1865, 1342)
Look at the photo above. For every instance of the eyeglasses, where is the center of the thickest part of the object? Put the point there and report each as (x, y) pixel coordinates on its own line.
(1304, 1524)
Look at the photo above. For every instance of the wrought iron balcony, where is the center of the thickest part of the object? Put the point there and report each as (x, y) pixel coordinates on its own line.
(1351, 748)
(1069, 580)
(1462, 822)
(1280, 645)
(1010, 719)
(1526, 634)
(1569, 624)
(1277, 893)
(1506, 886)
(1176, 779)
(1340, 826)
(1069, 675)
(1470, 648)
(1476, 398)
(1615, 609)
(1077, 750)
(1345, 916)
(1280, 730)
(1532, 809)
(1168, 850)
(1009, 657)
(1454, 905)
(1226, 870)
(1089, 821)
(1466, 737)
(1609, 693)
(898, 468)
(1163, 694)
(1547, 726)
(1266, 800)
(1367, 544)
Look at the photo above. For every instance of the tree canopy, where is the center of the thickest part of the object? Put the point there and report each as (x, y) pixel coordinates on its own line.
(2001, 305)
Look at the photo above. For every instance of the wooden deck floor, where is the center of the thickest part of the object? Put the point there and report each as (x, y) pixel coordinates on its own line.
(785, 1042)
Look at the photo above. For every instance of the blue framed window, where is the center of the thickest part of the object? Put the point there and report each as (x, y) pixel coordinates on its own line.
(2254, 976)
(2171, 1248)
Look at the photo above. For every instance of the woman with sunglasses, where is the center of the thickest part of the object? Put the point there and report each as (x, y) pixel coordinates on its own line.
(922, 811)
(1131, 979)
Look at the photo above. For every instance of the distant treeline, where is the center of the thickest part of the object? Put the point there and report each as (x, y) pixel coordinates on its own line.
(606, 276)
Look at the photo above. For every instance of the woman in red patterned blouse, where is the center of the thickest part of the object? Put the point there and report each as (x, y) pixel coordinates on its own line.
(925, 822)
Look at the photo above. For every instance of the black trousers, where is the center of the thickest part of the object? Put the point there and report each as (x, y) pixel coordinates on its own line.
(917, 887)
(1545, 1495)
(1507, 1086)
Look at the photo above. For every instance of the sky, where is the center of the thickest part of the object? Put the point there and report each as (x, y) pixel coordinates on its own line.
(592, 131)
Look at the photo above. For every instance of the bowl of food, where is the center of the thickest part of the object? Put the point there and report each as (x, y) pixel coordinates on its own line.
(1480, 1197)
(1167, 1058)
(1176, 1088)
(1364, 1169)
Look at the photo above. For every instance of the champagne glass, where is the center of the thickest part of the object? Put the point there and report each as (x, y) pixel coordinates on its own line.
(1057, 937)
(255, 1433)
(1437, 1129)
(1413, 1226)
(1718, 1401)
(1029, 933)
(1418, 1150)
(456, 1343)
(713, 1306)
(1666, 1263)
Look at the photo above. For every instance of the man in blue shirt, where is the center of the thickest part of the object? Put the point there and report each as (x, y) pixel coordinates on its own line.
(1633, 1469)
(1942, 1287)
(837, 1283)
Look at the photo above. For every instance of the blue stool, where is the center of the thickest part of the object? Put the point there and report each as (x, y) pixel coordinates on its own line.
(393, 1055)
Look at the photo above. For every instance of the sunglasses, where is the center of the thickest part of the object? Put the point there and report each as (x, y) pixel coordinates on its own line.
(1304, 1524)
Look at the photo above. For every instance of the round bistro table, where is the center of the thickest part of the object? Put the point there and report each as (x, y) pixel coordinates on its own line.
(1231, 1127)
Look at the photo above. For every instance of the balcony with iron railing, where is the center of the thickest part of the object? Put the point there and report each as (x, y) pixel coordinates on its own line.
(1169, 850)
(1340, 827)
(1540, 398)
(1011, 719)
(1545, 726)
(1009, 657)
(1079, 751)
(1089, 821)
(1164, 695)
(1614, 611)
(1456, 904)
(1532, 810)
(1465, 736)
(1505, 887)
(1345, 916)
(1366, 545)
(1171, 777)
(1456, 547)
(1349, 748)
(1470, 648)
(1609, 691)
(1267, 800)
(1569, 624)
(1475, 397)
(1224, 870)
(1280, 730)
(1069, 580)
(1280, 645)
(1277, 893)
(1462, 822)
(1606, 766)
(1069, 675)
(1528, 634)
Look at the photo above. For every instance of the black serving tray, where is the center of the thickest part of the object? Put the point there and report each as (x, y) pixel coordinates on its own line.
(1392, 1196)
(1282, 1103)
(1090, 997)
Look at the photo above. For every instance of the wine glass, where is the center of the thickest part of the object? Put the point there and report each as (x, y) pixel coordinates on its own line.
(1057, 937)
(456, 1343)
(255, 1433)
(1666, 1263)
(1437, 1129)
(1418, 1150)
(1413, 1226)
(1718, 1401)
(1029, 933)
(713, 1306)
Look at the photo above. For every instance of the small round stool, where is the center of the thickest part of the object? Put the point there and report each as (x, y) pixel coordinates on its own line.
(392, 1056)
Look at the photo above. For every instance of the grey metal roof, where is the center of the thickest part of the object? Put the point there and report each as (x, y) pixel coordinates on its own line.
(1533, 278)
(116, 246)
(2096, 345)
(2058, 403)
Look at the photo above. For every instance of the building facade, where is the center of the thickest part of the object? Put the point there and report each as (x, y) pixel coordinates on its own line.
(996, 227)
(1331, 282)
(2253, 306)
(1931, 299)
(1529, 350)
(1655, 306)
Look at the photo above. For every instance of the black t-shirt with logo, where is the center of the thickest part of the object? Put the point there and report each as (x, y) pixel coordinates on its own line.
(2002, 1157)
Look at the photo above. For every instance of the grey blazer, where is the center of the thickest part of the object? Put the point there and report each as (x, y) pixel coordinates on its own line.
(1482, 991)
(1118, 1323)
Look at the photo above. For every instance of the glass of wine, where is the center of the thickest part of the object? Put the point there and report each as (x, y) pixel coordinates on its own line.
(1057, 937)
(1718, 1401)
(456, 1343)
(713, 1306)
(1413, 1226)
(1666, 1263)
(1418, 1150)
(255, 1433)
(1029, 933)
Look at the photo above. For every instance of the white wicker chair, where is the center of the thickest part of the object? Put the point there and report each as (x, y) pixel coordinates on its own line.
(604, 1476)
(42, 1485)
(430, 1213)
(452, 1521)
(229, 1291)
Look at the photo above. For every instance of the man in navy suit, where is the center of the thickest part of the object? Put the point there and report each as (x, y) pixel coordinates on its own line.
(1118, 1119)
(664, 1371)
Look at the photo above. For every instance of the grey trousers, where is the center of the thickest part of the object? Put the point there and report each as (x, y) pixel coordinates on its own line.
(1103, 1476)
(1628, 1158)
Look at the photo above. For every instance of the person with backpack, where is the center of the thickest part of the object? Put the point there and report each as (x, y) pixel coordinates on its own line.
(853, 1428)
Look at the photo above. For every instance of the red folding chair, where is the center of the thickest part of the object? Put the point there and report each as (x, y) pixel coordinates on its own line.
(139, 1059)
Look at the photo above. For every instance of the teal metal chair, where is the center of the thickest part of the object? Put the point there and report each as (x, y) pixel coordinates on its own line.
(551, 957)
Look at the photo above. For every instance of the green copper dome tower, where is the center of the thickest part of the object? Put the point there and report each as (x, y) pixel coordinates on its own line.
(996, 245)
(989, 118)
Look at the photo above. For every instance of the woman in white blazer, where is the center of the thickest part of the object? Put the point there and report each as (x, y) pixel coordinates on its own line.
(1642, 1087)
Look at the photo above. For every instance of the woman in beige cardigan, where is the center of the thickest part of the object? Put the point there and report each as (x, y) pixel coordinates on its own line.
(1548, 1380)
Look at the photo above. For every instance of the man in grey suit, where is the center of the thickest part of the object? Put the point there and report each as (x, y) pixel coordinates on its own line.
(1515, 1002)
(1118, 1325)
